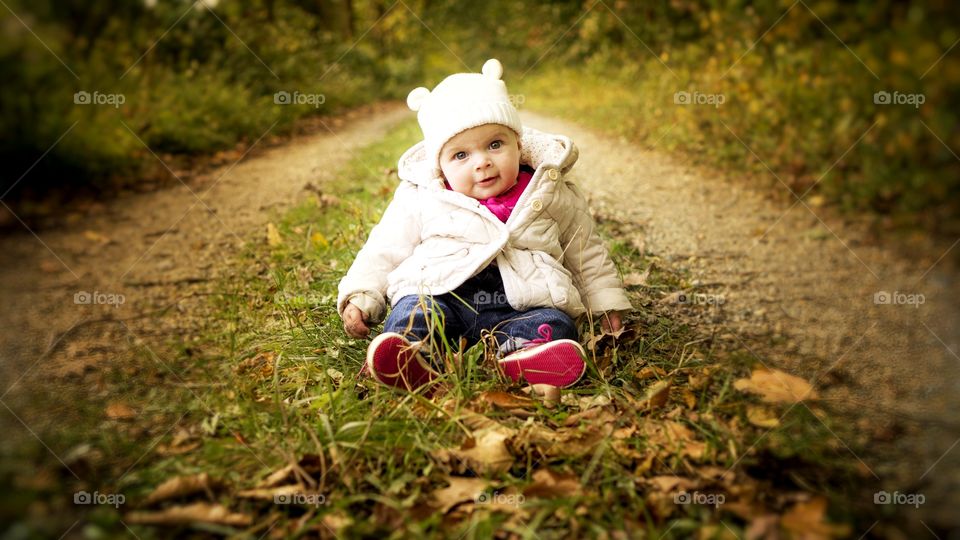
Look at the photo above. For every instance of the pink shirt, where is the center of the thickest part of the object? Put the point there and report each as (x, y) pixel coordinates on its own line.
(502, 205)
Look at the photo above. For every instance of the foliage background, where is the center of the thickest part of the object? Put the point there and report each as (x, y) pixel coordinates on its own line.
(798, 80)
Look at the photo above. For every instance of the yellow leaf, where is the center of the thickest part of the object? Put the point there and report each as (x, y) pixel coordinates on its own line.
(273, 236)
(762, 417)
(776, 386)
(319, 239)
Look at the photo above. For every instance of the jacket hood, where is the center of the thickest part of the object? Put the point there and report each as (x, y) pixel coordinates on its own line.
(537, 150)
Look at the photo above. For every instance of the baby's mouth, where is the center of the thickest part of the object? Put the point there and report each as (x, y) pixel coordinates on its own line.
(488, 180)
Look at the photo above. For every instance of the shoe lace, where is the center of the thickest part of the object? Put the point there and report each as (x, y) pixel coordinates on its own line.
(546, 334)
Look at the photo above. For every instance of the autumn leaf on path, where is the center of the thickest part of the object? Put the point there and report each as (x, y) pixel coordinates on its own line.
(193, 513)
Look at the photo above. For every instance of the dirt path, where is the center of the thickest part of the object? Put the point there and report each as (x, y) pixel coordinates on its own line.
(798, 291)
(798, 287)
(160, 251)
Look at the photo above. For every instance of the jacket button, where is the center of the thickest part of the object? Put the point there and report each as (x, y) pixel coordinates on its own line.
(553, 174)
(536, 205)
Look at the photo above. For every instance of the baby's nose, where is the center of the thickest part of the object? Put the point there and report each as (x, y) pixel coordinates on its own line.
(483, 161)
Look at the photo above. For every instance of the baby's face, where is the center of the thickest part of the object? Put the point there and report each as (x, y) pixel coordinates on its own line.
(481, 162)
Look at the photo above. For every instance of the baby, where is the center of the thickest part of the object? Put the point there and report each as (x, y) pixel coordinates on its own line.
(485, 234)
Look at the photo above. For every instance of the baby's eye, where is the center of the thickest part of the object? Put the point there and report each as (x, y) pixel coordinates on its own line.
(495, 145)
(460, 155)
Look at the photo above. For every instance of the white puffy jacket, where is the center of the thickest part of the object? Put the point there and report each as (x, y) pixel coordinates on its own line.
(430, 240)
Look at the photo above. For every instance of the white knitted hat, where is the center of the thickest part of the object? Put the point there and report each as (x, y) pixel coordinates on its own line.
(460, 102)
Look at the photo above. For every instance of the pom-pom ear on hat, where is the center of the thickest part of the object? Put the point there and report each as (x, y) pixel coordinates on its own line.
(416, 98)
(492, 68)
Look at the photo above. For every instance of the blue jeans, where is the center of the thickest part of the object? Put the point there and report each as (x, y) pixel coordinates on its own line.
(478, 304)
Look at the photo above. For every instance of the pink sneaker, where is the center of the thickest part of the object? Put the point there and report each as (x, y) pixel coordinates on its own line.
(557, 363)
(393, 360)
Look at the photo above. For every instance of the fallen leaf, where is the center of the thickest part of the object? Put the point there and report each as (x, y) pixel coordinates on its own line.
(273, 236)
(596, 415)
(120, 411)
(776, 386)
(689, 398)
(459, 491)
(762, 417)
(569, 442)
(670, 484)
(634, 278)
(656, 396)
(651, 372)
(193, 513)
(94, 236)
(485, 451)
(260, 365)
(549, 484)
(505, 400)
(181, 486)
(762, 527)
(283, 494)
(807, 521)
(337, 520)
(590, 402)
(674, 437)
(310, 464)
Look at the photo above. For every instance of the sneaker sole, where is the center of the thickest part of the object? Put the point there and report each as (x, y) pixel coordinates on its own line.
(392, 361)
(538, 365)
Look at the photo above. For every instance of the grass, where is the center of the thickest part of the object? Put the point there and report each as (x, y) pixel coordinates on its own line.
(271, 383)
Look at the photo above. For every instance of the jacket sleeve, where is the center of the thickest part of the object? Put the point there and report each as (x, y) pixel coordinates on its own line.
(391, 241)
(584, 254)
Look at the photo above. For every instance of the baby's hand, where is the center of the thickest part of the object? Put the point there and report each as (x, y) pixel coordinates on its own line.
(611, 321)
(353, 322)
